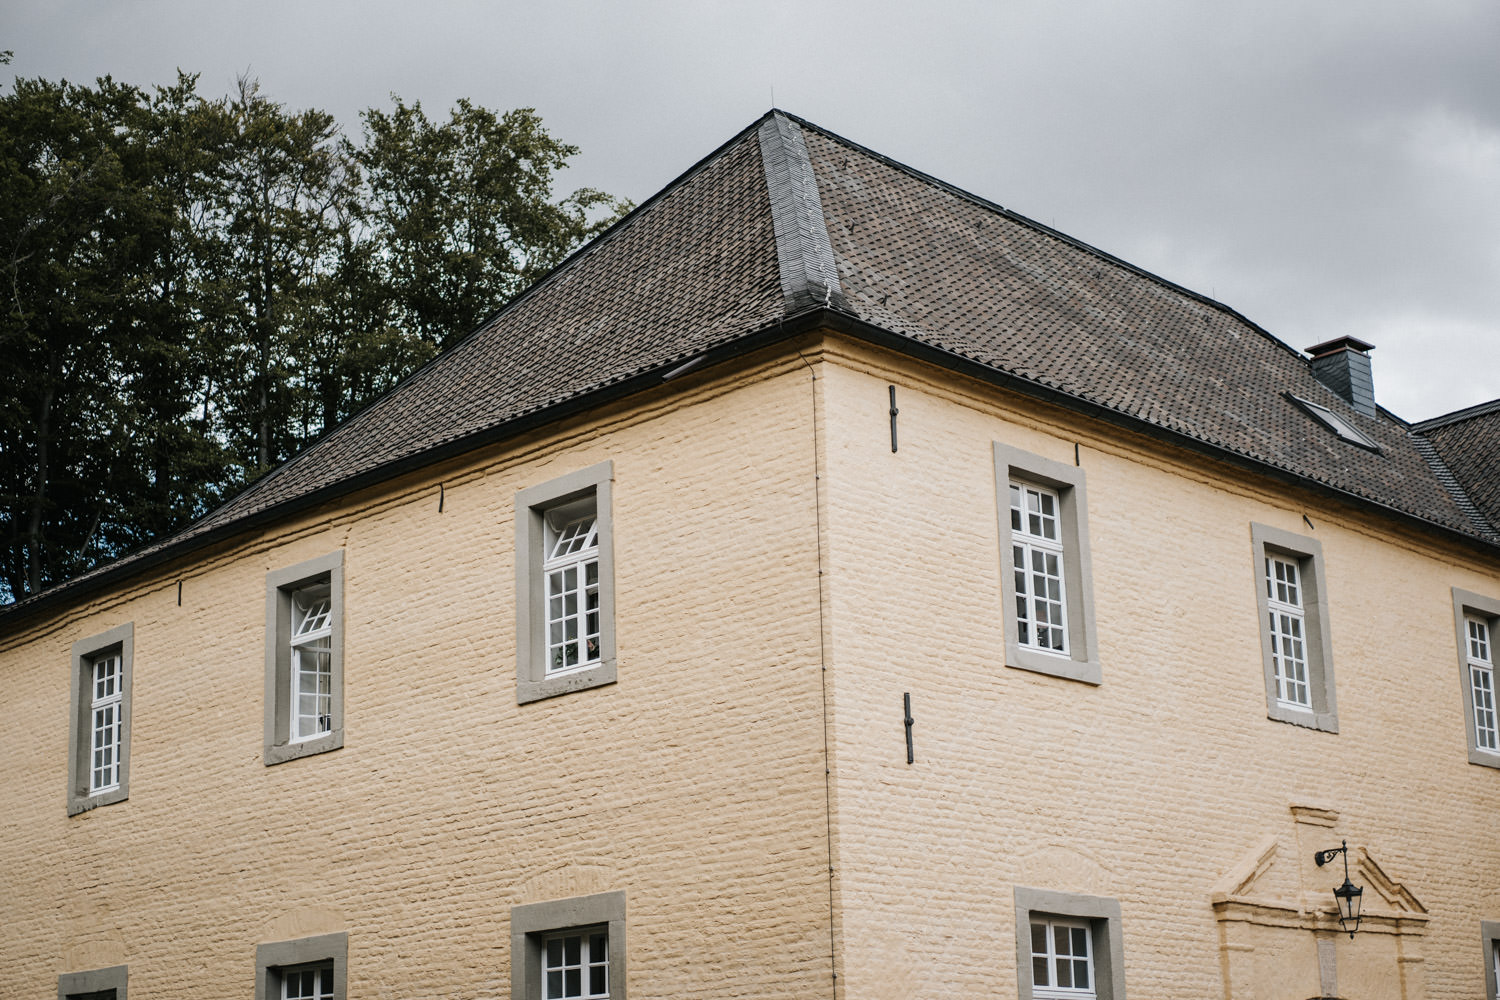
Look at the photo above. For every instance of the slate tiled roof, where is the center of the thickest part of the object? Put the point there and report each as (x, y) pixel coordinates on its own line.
(1468, 442)
(692, 268)
(940, 266)
(787, 221)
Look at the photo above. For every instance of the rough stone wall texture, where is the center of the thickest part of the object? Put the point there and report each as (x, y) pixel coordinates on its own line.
(1150, 787)
(696, 784)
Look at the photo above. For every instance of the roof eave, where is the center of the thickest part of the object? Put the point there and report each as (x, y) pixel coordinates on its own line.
(129, 566)
(879, 336)
(805, 321)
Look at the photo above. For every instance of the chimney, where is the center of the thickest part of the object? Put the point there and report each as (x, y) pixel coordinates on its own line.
(1344, 366)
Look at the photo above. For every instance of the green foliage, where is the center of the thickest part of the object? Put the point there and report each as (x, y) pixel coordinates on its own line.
(94, 447)
(191, 290)
(461, 213)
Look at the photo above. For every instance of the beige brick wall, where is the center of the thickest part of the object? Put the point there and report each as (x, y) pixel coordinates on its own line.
(696, 784)
(1153, 786)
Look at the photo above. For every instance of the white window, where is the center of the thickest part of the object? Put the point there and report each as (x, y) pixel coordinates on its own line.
(1062, 961)
(1291, 595)
(1476, 619)
(308, 982)
(1068, 946)
(565, 594)
(1288, 625)
(1046, 591)
(107, 674)
(1482, 683)
(312, 663)
(569, 949)
(1037, 559)
(99, 726)
(304, 686)
(571, 570)
(575, 965)
(312, 968)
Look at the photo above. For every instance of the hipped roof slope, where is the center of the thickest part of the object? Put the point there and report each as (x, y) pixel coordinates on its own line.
(1468, 442)
(789, 222)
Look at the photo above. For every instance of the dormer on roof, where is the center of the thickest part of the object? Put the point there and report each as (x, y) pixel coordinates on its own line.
(1343, 364)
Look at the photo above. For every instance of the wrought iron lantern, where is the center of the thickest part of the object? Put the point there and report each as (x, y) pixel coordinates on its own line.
(1347, 895)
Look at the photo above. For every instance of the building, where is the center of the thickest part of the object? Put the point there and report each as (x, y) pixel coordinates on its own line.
(826, 583)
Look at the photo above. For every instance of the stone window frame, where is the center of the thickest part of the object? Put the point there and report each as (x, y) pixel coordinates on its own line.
(1081, 663)
(532, 505)
(281, 584)
(1317, 639)
(80, 724)
(1106, 936)
(1467, 604)
(532, 923)
(1489, 931)
(82, 984)
(323, 949)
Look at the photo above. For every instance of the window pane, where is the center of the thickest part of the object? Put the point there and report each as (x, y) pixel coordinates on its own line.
(1479, 639)
(1081, 973)
(1482, 683)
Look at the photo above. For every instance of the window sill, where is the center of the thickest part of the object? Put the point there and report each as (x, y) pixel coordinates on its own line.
(1038, 661)
(565, 683)
(84, 803)
(1306, 718)
(1484, 758)
(280, 753)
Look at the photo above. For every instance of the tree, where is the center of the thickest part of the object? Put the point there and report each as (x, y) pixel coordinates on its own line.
(70, 235)
(98, 325)
(461, 211)
(192, 290)
(279, 203)
(178, 466)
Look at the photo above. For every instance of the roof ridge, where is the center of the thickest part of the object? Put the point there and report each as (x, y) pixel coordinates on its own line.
(1467, 413)
(809, 270)
(1449, 482)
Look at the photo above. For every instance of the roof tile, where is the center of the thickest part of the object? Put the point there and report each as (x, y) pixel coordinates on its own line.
(734, 246)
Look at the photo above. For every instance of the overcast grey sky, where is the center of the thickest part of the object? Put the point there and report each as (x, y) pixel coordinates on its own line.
(1326, 168)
